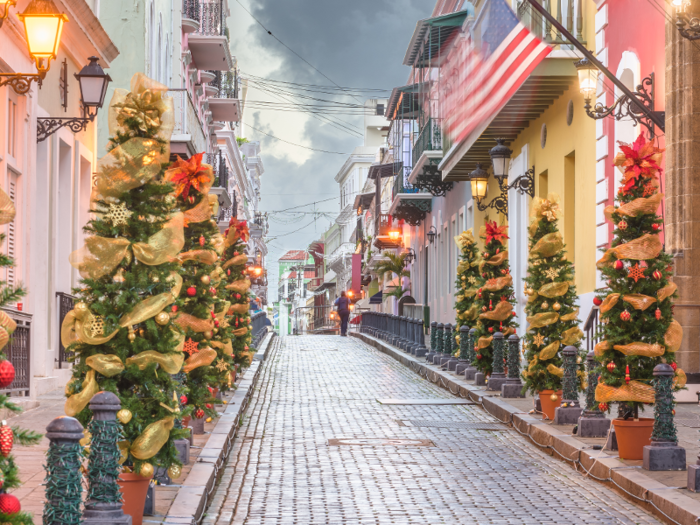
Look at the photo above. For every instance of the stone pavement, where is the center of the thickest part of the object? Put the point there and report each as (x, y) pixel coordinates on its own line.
(313, 389)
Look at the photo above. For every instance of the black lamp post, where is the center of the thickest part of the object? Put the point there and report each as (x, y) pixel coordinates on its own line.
(93, 89)
(479, 178)
(688, 26)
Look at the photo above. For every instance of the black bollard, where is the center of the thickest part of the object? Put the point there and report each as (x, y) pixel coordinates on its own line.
(664, 452)
(592, 422)
(498, 376)
(471, 370)
(513, 385)
(63, 478)
(570, 409)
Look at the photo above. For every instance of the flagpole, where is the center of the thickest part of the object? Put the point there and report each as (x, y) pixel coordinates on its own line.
(651, 115)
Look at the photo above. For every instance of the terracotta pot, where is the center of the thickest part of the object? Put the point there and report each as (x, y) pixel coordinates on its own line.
(233, 376)
(186, 421)
(548, 406)
(134, 488)
(215, 392)
(632, 436)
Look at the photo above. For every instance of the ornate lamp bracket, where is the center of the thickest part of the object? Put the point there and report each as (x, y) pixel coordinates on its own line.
(688, 27)
(47, 126)
(525, 185)
(20, 82)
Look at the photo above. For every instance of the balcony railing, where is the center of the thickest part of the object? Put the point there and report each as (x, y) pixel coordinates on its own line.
(210, 15)
(400, 184)
(226, 82)
(221, 174)
(430, 139)
(567, 14)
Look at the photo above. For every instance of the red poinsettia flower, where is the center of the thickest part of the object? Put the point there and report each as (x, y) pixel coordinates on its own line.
(640, 159)
(241, 228)
(187, 174)
(495, 232)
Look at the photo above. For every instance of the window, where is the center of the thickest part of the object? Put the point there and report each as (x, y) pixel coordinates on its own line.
(12, 272)
(380, 110)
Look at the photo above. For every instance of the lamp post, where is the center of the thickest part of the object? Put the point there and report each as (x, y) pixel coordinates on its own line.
(688, 26)
(500, 157)
(43, 25)
(93, 89)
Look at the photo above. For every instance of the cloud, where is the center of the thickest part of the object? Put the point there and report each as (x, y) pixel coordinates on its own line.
(356, 43)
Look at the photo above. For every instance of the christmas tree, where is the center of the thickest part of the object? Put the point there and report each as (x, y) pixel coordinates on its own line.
(10, 510)
(120, 328)
(469, 280)
(196, 309)
(639, 331)
(237, 286)
(551, 308)
(495, 298)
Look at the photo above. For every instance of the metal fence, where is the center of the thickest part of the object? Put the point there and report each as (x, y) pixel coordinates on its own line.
(259, 328)
(65, 305)
(18, 353)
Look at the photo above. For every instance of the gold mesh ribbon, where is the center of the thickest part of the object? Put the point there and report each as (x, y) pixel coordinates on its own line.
(500, 313)
(608, 303)
(202, 358)
(552, 290)
(101, 255)
(508, 331)
(77, 402)
(170, 363)
(601, 347)
(152, 306)
(240, 331)
(533, 363)
(642, 248)
(641, 206)
(681, 379)
(190, 322)
(107, 365)
(570, 317)
(76, 327)
(207, 257)
(7, 322)
(4, 338)
(238, 309)
(546, 208)
(497, 259)
(7, 208)
(214, 205)
(549, 245)
(642, 349)
(674, 336)
(484, 342)
(471, 314)
(549, 351)
(639, 301)
(240, 286)
(555, 370)
(635, 391)
(152, 438)
(571, 336)
(238, 260)
(147, 103)
(466, 238)
(542, 319)
(499, 283)
(226, 347)
(666, 291)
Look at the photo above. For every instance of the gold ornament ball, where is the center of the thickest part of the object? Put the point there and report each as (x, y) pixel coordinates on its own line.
(208, 334)
(216, 330)
(205, 279)
(146, 470)
(545, 305)
(556, 307)
(578, 360)
(530, 291)
(553, 398)
(175, 471)
(132, 337)
(162, 318)
(124, 416)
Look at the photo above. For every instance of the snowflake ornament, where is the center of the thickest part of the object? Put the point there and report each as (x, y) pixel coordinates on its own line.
(552, 273)
(538, 340)
(222, 366)
(636, 272)
(191, 347)
(118, 214)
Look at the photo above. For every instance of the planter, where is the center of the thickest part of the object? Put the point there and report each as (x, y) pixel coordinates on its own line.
(632, 436)
(549, 406)
(134, 488)
(186, 421)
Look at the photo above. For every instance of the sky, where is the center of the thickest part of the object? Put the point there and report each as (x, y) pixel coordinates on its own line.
(355, 43)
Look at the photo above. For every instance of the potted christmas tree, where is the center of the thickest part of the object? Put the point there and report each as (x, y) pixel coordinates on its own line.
(468, 282)
(495, 300)
(551, 308)
(120, 329)
(639, 331)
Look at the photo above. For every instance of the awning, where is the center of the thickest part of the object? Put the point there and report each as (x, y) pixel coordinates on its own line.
(424, 52)
(383, 170)
(376, 298)
(403, 101)
(363, 200)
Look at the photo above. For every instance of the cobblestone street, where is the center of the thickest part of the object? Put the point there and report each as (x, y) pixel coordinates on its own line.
(313, 389)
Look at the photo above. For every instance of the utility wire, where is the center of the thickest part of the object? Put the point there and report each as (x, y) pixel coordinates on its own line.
(290, 49)
(298, 145)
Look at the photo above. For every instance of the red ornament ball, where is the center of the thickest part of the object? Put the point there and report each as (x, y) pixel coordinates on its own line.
(191, 291)
(199, 413)
(235, 253)
(6, 439)
(245, 347)
(212, 290)
(625, 316)
(7, 373)
(619, 265)
(611, 366)
(208, 405)
(597, 301)
(174, 308)
(603, 407)
(183, 400)
(490, 329)
(655, 226)
(9, 504)
(657, 314)
(479, 356)
(622, 225)
(674, 366)
(238, 296)
(656, 274)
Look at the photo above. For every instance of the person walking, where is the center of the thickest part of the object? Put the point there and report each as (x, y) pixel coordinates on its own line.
(343, 305)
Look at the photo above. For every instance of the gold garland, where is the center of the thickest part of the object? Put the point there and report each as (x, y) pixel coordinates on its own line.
(502, 311)
(571, 336)
(641, 349)
(107, 365)
(608, 303)
(548, 245)
(170, 363)
(204, 357)
(77, 402)
(240, 286)
(635, 391)
(555, 370)
(238, 260)
(642, 248)
(673, 336)
(549, 351)
(152, 439)
(542, 319)
(571, 316)
(639, 301)
(552, 290)
(498, 283)
(666, 291)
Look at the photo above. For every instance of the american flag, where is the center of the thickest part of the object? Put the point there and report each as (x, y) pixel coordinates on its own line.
(485, 68)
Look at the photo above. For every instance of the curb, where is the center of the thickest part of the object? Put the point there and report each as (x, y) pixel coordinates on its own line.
(667, 503)
(193, 496)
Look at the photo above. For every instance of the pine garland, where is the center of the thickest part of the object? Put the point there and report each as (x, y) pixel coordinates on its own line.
(63, 485)
(104, 468)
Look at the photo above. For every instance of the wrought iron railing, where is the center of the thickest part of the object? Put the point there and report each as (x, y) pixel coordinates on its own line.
(429, 139)
(226, 82)
(18, 352)
(65, 305)
(258, 328)
(569, 13)
(209, 13)
(221, 174)
(400, 182)
(591, 328)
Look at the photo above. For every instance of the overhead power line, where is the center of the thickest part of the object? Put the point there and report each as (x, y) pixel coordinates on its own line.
(298, 145)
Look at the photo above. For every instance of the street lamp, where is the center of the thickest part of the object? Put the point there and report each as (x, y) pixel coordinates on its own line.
(688, 27)
(394, 235)
(410, 255)
(93, 89)
(432, 232)
(43, 25)
(6, 13)
(479, 179)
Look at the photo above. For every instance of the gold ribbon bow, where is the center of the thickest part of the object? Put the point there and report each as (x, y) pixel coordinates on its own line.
(548, 208)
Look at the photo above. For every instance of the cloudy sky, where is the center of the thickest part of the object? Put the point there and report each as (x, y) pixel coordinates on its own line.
(355, 43)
